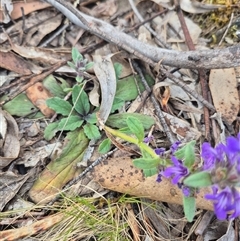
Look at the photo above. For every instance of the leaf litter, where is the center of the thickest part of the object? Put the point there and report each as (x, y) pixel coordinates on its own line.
(183, 113)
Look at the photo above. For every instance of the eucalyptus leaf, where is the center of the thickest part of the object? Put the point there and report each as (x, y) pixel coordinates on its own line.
(20, 106)
(80, 100)
(127, 89)
(189, 206)
(136, 127)
(59, 105)
(200, 179)
(118, 69)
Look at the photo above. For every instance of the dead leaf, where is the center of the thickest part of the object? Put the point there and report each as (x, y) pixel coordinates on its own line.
(10, 184)
(61, 170)
(193, 6)
(34, 228)
(6, 8)
(94, 94)
(104, 70)
(162, 95)
(42, 54)
(38, 94)
(10, 146)
(14, 63)
(37, 33)
(106, 8)
(120, 175)
(223, 86)
(15, 9)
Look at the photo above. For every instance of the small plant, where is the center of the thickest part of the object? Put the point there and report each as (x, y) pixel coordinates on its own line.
(220, 169)
(78, 113)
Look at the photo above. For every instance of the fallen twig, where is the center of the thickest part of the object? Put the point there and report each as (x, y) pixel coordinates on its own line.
(207, 59)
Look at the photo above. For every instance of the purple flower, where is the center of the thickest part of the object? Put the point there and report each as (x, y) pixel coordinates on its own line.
(177, 171)
(233, 144)
(225, 200)
(212, 155)
(236, 204)
(148, 139)
(159, 177)
(175, 146)
(186, 191)
(160, 151)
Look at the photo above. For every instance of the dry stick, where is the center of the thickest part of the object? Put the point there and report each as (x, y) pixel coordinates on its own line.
(208, 59)
(75, 15)
(202, 75)
(154, 101)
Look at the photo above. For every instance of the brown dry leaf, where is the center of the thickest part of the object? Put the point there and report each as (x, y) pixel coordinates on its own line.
(15, 31)
(223, 86)
(9, 144)
(15, 63)
(120, 175)
(193, 6)
(162, 98)
(38, 94)
(28, 7)
(42, 54)
(10, 184)
(94, 94)
(107, 8)
(6, 8)
(37, 33)
(32, 229)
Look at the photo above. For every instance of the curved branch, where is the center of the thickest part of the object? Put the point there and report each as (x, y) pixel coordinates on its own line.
(207, 59)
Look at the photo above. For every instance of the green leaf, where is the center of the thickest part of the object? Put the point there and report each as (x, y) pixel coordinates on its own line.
(20, 106)
(59, 105)
(104, 146)
(136, 127)
(118, 69)
(76, 56)
(91, 118)
(150, 172)
(189, 206)
(187, 153)
(79, 79)
(73, 66)
(55, 88)
(117, 104)
(89, 65)
(70, 124)
(200, 179)
(91, 131)
(51, 130)
(119, 120)
(82, 105)
(127, 89)
(144, 163)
